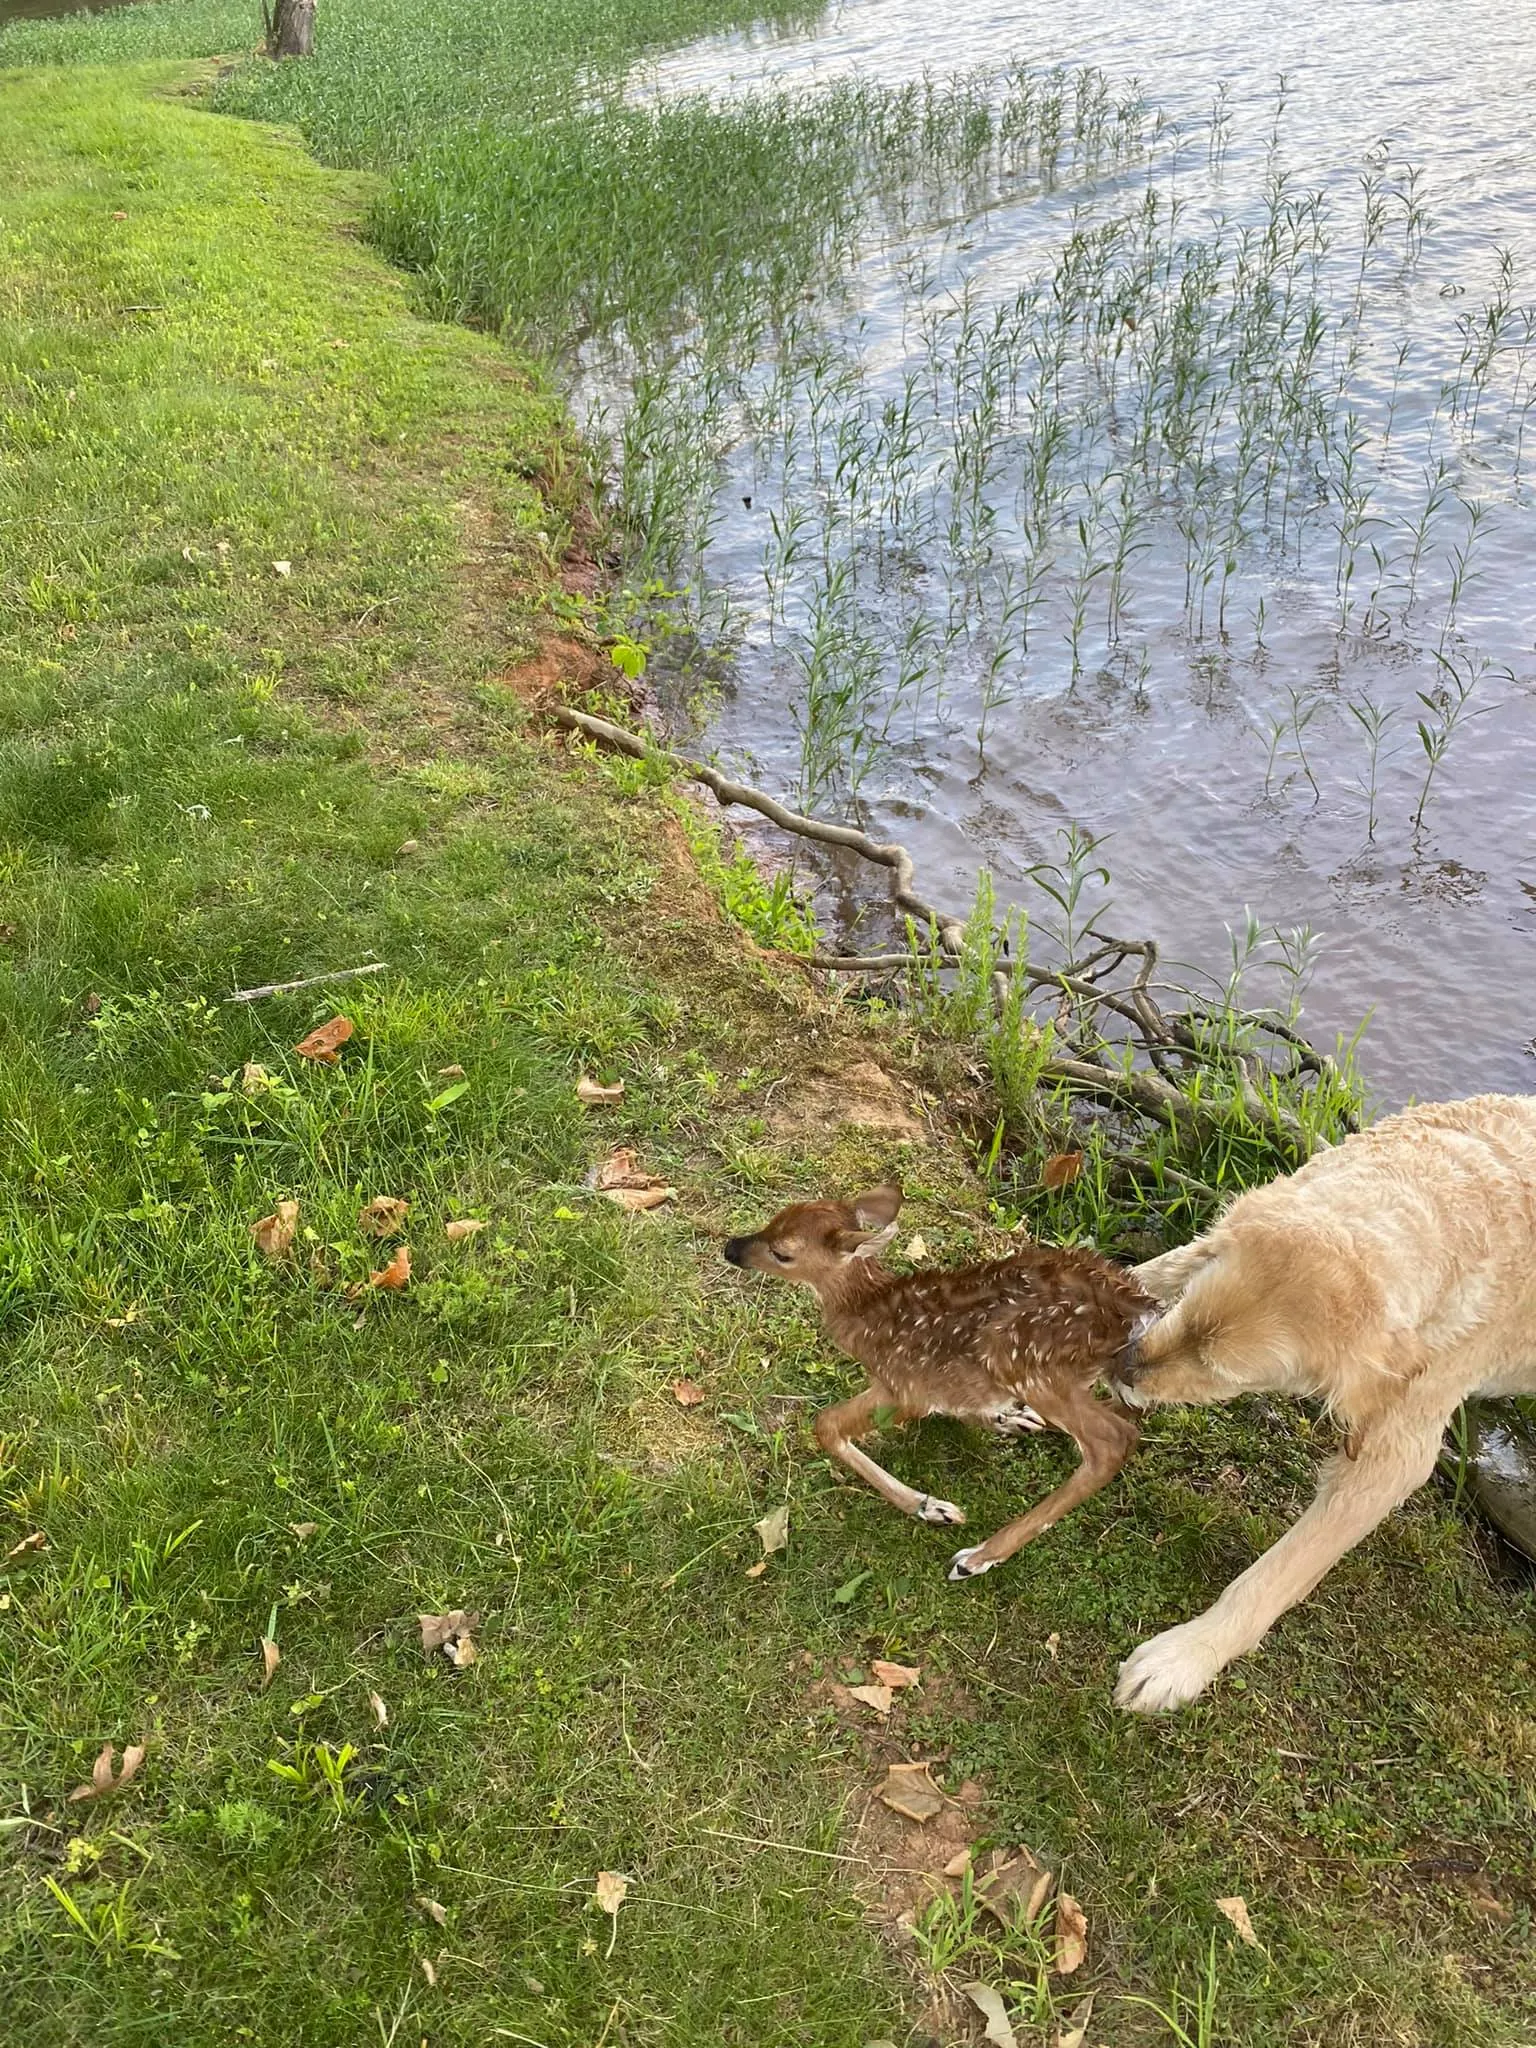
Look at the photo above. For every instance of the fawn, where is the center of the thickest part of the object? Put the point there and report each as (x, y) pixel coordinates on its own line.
(1016, 1343)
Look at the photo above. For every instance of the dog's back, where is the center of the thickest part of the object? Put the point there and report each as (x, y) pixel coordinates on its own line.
(1410, 1249)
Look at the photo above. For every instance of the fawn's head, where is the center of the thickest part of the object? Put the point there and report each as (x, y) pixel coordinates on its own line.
(813, 1242)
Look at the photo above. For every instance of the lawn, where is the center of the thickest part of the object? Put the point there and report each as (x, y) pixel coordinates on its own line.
(270, 546)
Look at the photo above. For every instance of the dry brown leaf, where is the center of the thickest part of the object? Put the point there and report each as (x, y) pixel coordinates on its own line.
(450, 1635)
(611, 1890)
(755, 1571)
(623, 1180)
(1014, 1886)
(380, 1711)
(959, 1863)
(462, 1226)
(384, 1216)
(283, 569)
(1071, 1935)
(897, 1676)
(102, 1780)
(687, 1393)
(1052, 1645)
(773, 1530)
(254, 1078)
(396, 1274)
(1236, 1910)
(595, 1094)
(36, 1541)
(274, 1233)
(909, 1790)
(989, 2004)
(636, 1199)
(876, 1697)
(1061, 1169)
(917, 1249)
(453, 1073)
(1075, 2032)
(409, 846)
(428, 1970)
(322, 1042)
(433, 1909)
(271, 1657)
(304, 1530)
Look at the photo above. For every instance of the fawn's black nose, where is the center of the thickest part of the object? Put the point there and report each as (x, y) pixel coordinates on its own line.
(735, 1250)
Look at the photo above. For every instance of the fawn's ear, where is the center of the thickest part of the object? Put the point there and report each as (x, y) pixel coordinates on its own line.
(877, 1210)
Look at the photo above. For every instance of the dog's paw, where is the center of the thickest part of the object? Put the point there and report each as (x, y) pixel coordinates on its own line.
(961, 1567)
(1169, 1671)
(944, 1512)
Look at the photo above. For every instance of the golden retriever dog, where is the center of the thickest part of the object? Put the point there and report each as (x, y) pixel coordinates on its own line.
(1389, 1278)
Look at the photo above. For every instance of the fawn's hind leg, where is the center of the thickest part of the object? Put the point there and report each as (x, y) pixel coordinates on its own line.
(836, 1429)
(1105, 1435)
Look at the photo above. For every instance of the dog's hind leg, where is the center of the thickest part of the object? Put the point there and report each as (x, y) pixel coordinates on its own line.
(1395, 1456)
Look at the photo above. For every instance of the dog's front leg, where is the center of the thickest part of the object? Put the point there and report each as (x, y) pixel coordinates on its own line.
(1395, 1457)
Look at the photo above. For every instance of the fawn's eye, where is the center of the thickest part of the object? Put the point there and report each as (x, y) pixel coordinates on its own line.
(784, 1258)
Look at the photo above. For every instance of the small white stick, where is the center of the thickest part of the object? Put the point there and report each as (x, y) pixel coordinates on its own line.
(283, 988)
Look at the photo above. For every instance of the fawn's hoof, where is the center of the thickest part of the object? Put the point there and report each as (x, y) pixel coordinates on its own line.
(961, 1567)
(943, 1512)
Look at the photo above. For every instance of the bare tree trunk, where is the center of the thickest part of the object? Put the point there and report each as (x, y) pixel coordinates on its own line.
(290, 27)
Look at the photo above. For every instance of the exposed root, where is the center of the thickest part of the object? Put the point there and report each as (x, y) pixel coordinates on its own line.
(1173, 1042)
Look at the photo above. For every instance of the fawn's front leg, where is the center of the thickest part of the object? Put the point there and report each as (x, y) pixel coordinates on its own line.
(836, 1430)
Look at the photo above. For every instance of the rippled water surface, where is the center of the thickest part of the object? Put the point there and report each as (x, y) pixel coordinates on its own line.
(1218, 744)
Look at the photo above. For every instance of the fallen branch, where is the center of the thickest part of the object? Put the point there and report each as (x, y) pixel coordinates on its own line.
(286, 988)
(1169, 1040)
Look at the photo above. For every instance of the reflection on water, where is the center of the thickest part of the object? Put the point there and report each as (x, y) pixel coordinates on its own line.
(1226, 758)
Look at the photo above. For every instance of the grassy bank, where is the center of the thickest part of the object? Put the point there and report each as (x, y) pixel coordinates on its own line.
(215, 772)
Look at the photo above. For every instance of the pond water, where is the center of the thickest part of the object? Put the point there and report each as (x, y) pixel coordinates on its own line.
(1232, 656)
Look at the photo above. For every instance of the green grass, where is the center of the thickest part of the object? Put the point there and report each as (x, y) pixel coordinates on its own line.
(209, 773)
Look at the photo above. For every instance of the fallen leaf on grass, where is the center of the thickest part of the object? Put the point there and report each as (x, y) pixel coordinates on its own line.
(897, 1676)
(596, 1094)
(451, 1635)
(322, 1042)
(462, 1226)
(283, 569)
(428, 1970)
(1014, 1887)
(396, 1274)
(271, 1657)
(917, 1249)
(1052, 1645)
(1071, 1935)
(455, 1072)
(432, 1909)
(304, 1530)
(254, 1078)
(274, 1233)
(610, 1893)
(909, 1790)
(624, 1181)
(36, 1541)
(380, 1711)
(1061, 1169)
(102, 1780)
(773, 1530)
(1075, 2032)
(384, 1216)
(877, 1697)
(1236, 1910)
(959, 1863)
(687, 1393)
(990, 2005)
(755, 1571)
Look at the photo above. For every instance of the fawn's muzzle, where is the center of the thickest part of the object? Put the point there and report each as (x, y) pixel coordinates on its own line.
(735, 1249)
